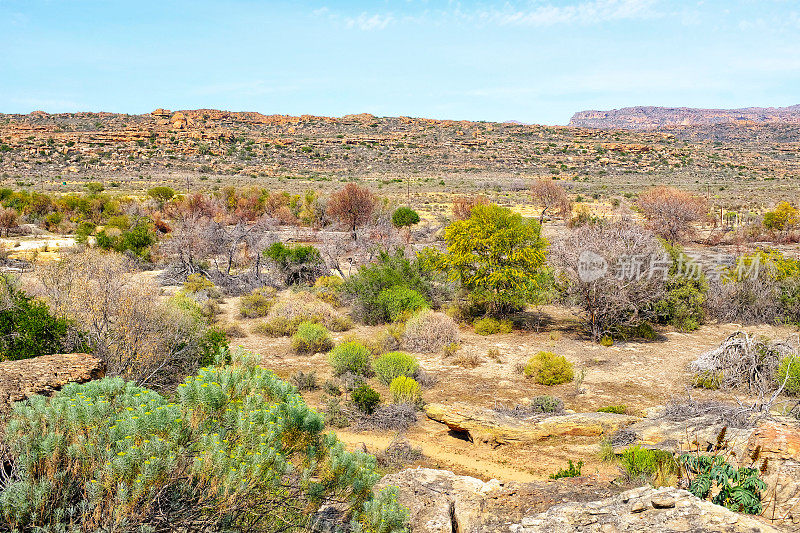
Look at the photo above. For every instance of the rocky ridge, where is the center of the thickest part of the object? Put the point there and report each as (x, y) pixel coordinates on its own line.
(651, 117)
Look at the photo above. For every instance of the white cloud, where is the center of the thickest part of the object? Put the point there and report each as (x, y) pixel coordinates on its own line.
(588, 12)
(368, 22)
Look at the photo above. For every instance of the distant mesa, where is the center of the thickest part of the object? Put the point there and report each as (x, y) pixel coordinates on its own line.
(650, 117)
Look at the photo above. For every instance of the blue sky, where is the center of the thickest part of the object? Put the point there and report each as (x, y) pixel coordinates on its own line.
(532, 61)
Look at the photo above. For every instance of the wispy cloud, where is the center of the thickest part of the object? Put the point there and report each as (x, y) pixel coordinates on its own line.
(588, 12)
(368, 22)
(527, 13)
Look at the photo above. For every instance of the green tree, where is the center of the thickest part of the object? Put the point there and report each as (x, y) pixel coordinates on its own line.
(161, 194)
(404, 217)
(497, 255)
(27, 329)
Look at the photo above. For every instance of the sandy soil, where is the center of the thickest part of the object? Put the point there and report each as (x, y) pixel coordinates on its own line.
(636, 374)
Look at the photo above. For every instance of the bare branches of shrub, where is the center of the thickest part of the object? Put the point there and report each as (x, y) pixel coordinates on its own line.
(618, 291)
(671, 212)
(551, 197)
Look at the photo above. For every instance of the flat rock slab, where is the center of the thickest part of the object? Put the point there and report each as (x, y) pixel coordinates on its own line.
(44, 375)
(665, 510)
(488, 426)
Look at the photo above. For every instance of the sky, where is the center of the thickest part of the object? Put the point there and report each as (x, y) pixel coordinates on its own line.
(535, 61)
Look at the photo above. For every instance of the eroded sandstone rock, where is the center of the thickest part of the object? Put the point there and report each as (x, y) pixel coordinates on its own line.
(492, 427)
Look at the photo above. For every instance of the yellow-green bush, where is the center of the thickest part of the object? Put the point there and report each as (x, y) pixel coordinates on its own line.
(394, 364)
(708, 379)
(258, 303)
(548, 368)
(789, 365)
(351, 357)
(405, 390)
(328, 289)
(490, 326)
(311, 338)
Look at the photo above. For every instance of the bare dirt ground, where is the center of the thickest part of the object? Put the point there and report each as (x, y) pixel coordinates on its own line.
(638, 375)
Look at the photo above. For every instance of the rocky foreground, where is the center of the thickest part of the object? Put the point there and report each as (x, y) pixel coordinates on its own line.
(442, 502)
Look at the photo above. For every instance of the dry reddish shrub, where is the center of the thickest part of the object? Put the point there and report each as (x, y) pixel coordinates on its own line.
(428, 331)
(462, 206)
(671, 212)
(352, 206)
(551, 197)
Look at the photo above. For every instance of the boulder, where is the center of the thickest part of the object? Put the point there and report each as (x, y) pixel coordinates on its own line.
(778, 442)
(496, 428)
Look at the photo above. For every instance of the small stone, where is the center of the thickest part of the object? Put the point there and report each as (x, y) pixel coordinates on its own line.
(663, 501)
(638, 506)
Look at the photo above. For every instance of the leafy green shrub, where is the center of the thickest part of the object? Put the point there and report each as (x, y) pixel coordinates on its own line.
(789, 366)
(352, 357)
(196, 283)
(683, 303)
(258, 303)
(400, 302)
(311, 338)
(655, 466)
(236, 447)
(27, 328)
(136, 239)
(394, 364)
(428, 331)
(404, 217)
(615, 409)
(606, 340)
(490, 326)
(388, 271)
(548, 368)
(737, 489)
(405, 390)
(365, 398)
(572, 470)
(161, 194)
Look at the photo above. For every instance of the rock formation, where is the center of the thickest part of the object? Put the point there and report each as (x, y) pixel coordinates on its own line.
(649, 117)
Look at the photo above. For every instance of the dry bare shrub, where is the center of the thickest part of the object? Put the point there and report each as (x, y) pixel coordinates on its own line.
(139, 336)
(467, 360)
(671, 212)
(352, 206)
(619, 290)
(462, 206)
(389, 417)
(9, 219)
(399, 454)
(551, 197)
(748, 362)
(290, 310)
(429, 331)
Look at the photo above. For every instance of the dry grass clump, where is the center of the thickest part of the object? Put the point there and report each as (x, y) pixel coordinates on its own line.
(467, 360)
(288, 312)
(429, 331)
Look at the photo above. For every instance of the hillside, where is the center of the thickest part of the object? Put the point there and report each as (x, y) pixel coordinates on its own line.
(649, 117)
(202, 149)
